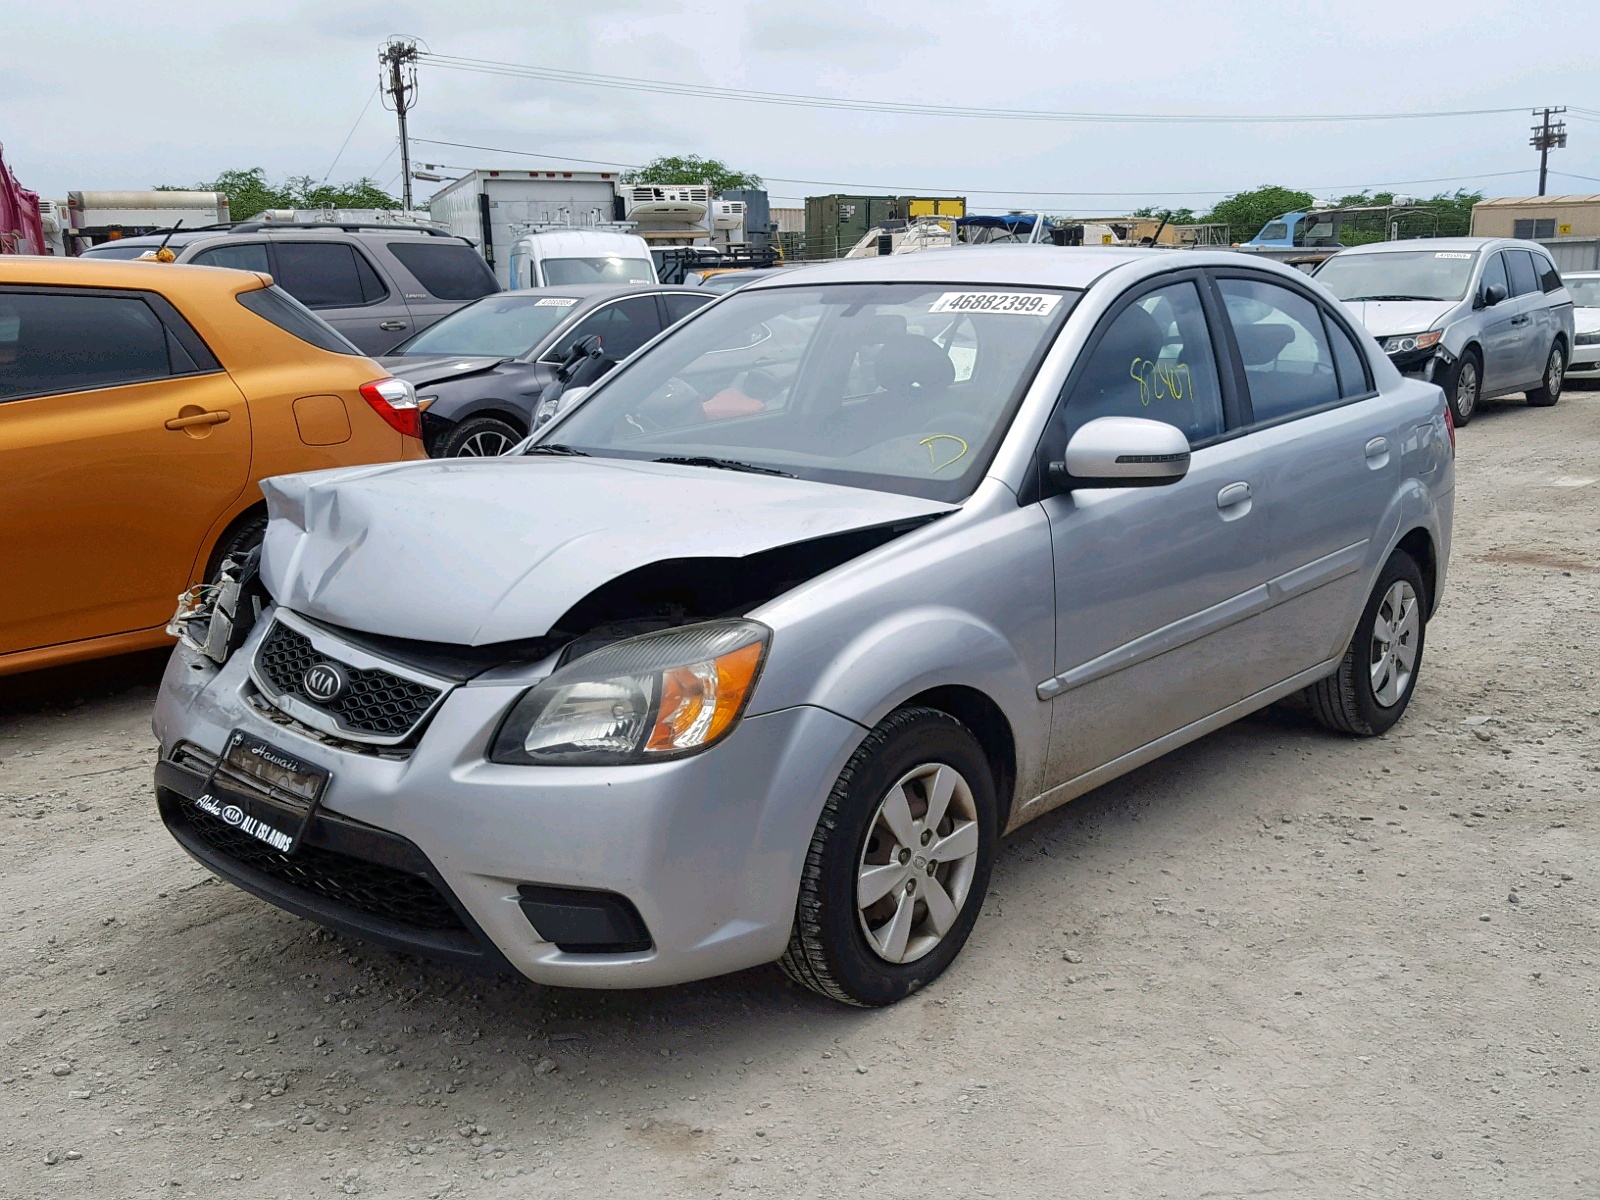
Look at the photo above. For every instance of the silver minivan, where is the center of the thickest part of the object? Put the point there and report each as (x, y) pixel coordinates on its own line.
(1481, 317)
(756, 652)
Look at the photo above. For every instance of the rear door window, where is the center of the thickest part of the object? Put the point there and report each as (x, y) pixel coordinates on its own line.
(246, 256)
(50, 342)
(447, 270)
(326, 274)
(1549, 277)
(680, 306)
(1287, 360)
(1350, 363)
(1519, 265)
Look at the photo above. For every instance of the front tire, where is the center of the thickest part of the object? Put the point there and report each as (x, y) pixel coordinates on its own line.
(1378, 675)
(1555, 374)
(480, 437)
(1463, 387)
(899, 863)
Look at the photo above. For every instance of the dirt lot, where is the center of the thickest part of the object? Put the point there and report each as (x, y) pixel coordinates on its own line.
(1277, 962)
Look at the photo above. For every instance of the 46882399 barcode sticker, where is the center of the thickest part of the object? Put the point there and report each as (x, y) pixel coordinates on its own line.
(1023, 304)
(555, 302)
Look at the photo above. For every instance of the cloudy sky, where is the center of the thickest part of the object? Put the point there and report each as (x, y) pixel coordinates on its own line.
(117, 95)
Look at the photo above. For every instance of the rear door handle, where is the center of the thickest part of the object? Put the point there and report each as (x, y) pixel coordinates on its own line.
(1377, 447)
(193, 419)
(1233, 495)
(391, 326)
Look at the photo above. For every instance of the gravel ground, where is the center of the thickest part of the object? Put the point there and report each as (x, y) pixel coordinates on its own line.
(1276, 962)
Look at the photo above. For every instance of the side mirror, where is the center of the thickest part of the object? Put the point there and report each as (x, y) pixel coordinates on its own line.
(1123, 452)
(1493, 294)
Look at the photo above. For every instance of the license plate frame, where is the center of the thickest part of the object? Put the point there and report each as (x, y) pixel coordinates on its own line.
(263, 791)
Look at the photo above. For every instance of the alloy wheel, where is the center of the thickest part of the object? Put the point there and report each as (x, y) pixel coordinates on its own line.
(1555, 371)
(1395, 627)
(1466, 390)
(917, 866)
(489, 444)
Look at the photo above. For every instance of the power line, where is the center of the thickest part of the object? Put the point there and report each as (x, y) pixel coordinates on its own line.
(346, 143)
(903, 189)
(793, 100)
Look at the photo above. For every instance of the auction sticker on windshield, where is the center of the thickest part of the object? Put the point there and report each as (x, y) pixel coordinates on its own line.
(1452, 254)
(555, 302)
(1026, 304)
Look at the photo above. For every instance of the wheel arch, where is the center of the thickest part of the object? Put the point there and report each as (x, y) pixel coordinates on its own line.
(1418, 543)
(251, 512)
(988, 723)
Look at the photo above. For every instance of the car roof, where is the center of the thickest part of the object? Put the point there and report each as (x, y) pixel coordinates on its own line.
(188, 237)
(1014, 266)
(148, 276)
(1440, 244)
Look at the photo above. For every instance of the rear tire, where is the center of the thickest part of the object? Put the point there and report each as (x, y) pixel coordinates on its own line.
(926, 871)
(1463, 387)
(1378, 675)
(480, 437)
(236, 543)
(1555, 375)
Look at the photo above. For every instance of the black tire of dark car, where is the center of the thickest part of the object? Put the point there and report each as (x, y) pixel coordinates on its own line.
(237, 542)
(1555, 372)
(828, 950)
(1345, 701)
(479, 437)
(1463, 386)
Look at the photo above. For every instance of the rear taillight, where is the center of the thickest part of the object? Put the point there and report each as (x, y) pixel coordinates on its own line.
(1450, 425)
(395, 401)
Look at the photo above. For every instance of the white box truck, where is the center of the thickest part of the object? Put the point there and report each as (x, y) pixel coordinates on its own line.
(497, 208)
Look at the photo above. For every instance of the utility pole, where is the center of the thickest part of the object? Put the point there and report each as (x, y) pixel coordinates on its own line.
(398, 79)
(1547, 137)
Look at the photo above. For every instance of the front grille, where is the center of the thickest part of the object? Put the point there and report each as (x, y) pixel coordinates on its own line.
(376, 702)
(368, 887)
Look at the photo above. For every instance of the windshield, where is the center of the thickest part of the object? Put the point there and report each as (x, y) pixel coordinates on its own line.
(507, 325)
(1400, 275)
(1274, 232)
(1585, 292)
(899, 387)
(565, 272)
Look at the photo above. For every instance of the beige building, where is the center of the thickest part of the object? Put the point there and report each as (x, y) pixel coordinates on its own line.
(1537, 217)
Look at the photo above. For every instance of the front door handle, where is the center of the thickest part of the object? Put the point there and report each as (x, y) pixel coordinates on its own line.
(391, 326)
(190, 420)
(1233, 495)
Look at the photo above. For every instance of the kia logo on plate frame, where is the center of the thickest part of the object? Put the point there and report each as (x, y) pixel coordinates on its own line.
(325, 682)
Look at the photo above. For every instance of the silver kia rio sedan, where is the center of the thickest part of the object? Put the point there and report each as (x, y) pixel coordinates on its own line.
(759, 650)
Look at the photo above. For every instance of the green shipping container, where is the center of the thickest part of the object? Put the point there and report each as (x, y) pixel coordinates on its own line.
(836, 223)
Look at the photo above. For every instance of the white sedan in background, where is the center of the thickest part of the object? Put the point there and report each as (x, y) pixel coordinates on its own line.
(1585, 289)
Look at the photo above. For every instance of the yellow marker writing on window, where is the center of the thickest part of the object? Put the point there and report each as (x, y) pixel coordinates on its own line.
(933, 455)
(1161, 380)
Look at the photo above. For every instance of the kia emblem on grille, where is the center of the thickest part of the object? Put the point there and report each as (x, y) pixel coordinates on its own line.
(325, 682)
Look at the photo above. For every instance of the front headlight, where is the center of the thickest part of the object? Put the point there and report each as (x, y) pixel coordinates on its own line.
(1588, 339)
(1407, 342)
(659, 696)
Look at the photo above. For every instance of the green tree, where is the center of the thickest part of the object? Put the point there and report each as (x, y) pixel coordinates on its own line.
(250, 193)
(691, 168)
(1246, 212)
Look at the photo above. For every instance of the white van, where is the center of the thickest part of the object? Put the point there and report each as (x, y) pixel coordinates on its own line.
(566, 257)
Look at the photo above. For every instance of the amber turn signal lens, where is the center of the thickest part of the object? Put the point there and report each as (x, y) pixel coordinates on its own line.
(698, 702)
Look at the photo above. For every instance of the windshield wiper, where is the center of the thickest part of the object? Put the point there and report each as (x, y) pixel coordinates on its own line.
(723, 464)
(557, 448)
(1359, 299)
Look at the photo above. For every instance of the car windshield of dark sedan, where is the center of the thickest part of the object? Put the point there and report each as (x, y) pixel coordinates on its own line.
(1585, 292)
(900, 387)
(1399, 275)
(567, 272)
(504, 326)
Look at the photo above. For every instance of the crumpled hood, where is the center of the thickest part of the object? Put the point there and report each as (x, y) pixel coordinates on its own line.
(423, 370)
(1385, 318)
(478, 551)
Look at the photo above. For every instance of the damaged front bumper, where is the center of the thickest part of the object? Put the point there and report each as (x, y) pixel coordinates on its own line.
(693, 864)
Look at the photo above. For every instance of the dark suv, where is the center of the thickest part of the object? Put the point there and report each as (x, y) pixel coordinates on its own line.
(376, 284)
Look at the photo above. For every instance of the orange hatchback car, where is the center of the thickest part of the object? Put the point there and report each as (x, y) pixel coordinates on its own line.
(141, 404)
